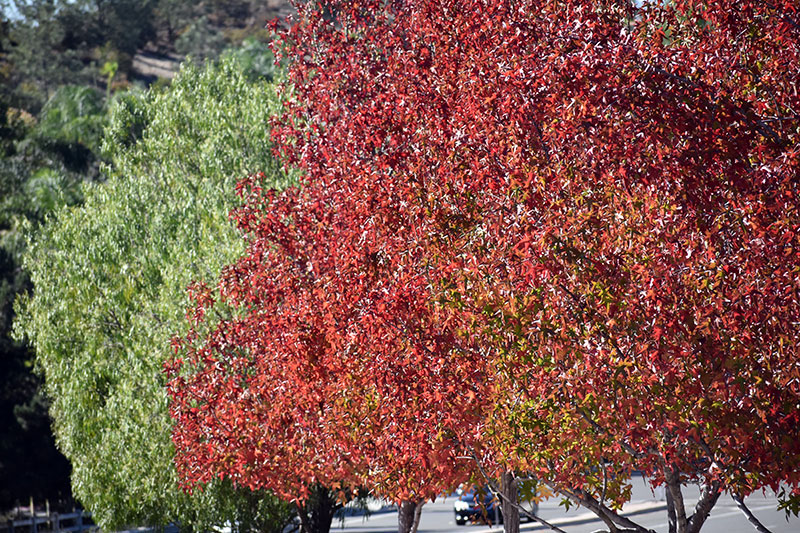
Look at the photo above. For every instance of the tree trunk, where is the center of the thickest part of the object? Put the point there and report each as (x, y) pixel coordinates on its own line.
(316, 515)
(408, 514)
(508, 486)
(672, 478)
(417, 516)
(673, 522)
(708, 499)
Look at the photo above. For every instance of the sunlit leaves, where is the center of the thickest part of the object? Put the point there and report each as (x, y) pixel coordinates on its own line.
(109, 288)
(581, 216)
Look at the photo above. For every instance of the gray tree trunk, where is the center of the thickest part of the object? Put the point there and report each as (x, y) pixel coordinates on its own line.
(673, 522)
(408, 515)
(417, 516)
(508, 486)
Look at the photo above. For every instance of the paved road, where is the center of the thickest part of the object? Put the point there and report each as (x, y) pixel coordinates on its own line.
(645, 508)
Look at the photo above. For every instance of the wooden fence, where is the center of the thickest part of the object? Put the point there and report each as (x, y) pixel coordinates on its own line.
(55, 522)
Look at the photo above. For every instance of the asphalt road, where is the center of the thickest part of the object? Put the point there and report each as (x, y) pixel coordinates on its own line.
(645, 508)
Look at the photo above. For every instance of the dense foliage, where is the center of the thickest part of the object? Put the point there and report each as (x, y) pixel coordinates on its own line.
(57, 59)
(109, 283)
(559, 237)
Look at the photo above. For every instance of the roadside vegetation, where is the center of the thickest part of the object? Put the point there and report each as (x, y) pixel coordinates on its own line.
(532, 246)
(76, 104)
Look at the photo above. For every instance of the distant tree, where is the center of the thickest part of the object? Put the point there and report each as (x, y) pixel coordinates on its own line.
(70, 126)
(46, 49)
(51, 43)
(200, 40)
(109, 283)
(172, 17)
(255, 57)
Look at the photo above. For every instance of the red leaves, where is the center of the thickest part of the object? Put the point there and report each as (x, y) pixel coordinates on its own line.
(553, 233)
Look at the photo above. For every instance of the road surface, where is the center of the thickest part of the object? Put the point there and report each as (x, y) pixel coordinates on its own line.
(645, 508)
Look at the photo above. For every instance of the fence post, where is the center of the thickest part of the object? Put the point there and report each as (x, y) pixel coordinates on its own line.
(80, 520)
(56, 523)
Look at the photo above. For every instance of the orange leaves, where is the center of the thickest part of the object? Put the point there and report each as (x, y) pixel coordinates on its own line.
(550, 234)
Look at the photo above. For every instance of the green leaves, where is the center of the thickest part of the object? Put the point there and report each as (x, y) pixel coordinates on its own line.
(109, 285)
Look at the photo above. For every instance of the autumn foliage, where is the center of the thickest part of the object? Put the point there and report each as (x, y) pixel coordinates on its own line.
(560, 238)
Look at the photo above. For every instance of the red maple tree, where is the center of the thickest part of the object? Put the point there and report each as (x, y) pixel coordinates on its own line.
(561, 237)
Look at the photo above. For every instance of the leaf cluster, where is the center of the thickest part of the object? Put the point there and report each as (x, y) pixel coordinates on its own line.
(109, 279)
(560, 238)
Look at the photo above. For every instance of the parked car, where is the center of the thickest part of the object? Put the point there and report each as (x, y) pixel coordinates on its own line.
(481, 505)
(478, 504)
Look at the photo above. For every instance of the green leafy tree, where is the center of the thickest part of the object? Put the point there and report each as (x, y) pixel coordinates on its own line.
(109, 290)
(51, 43)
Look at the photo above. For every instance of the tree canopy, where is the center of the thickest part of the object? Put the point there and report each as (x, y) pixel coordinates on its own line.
(109, 281)
(57, 58)
(582, 216)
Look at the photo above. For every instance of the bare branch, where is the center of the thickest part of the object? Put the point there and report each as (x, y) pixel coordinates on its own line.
(575, 495)
(518, 507)
(750, 516)
(602, 511)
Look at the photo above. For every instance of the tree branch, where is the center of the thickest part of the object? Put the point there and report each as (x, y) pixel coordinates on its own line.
(749, 515)
(612, 527)
(585, 499)
(517, 506)
(708, 498)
